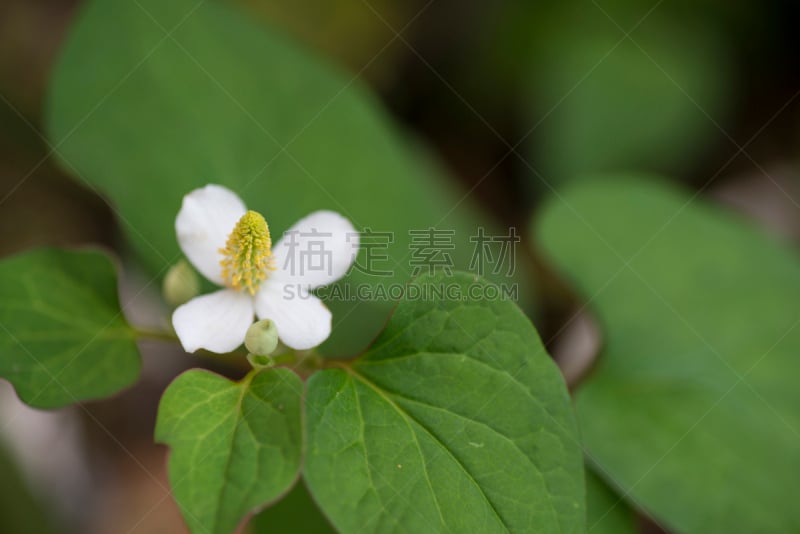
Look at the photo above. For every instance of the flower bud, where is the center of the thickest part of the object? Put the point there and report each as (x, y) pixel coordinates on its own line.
(261, 338)
(181, 284)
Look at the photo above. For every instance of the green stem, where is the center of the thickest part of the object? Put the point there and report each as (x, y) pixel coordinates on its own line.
(287, 358)
(154, 334)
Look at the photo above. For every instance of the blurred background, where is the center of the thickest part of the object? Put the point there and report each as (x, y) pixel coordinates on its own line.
(516, 98)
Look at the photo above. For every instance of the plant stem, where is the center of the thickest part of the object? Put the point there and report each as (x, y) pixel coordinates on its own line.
(154, 334)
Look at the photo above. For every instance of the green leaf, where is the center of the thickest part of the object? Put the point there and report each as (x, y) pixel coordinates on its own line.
(693, 407)
(606, 512)
(153, 99)
(235, 446)
(604, 102)
(63, 338)
(455, 420)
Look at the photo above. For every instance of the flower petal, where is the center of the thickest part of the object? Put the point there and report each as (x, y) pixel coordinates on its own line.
(302, 320)
(217, 322)
(206, 218)
(317, 250)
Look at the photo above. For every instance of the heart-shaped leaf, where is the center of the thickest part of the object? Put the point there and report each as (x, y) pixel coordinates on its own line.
(693, 407)
(63, 338)
(455, 420)
(235, 446)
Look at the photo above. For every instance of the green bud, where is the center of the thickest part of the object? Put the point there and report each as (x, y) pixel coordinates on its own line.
(181, 284)
(261, 338)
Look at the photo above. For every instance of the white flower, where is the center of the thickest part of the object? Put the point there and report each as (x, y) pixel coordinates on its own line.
(231, 246)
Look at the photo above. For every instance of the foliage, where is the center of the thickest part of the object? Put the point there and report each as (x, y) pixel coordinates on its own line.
(62, 334)
(694, 401)
(441, 410)
(235, 446)
(455, 419)
(415, 434)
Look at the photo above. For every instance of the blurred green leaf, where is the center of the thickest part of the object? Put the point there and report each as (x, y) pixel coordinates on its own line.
(20, 512)
(606, 512)
(297, 512)
(63, 338)
(235, 446)
(152, 99)
(455, 420)
(348, 31)
(602, 101)
(693, 407)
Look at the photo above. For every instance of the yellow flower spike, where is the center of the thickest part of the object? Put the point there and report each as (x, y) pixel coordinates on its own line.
(247, 255)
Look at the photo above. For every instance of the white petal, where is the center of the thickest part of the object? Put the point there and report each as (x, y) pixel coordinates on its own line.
(206, 218)
(302, 320)
(318, 250)
(217, 322)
